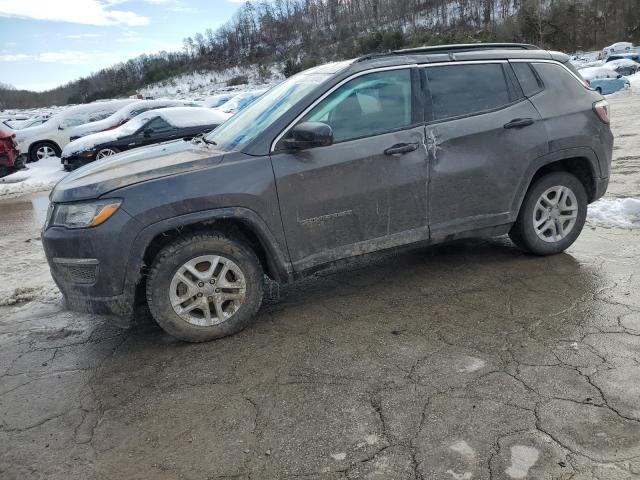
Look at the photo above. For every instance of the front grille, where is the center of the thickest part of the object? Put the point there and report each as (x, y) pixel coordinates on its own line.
(82, 272)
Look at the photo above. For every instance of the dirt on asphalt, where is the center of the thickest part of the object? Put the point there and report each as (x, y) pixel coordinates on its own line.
(459, 362)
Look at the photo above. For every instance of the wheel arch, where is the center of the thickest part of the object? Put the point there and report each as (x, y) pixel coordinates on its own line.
(581, 162)
(36, 143)
(240, 222)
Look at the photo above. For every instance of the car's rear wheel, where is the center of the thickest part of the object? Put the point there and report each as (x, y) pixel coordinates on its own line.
(43, 150)
(599, 90)
(205, 286)
(106, 152)
(552, 214)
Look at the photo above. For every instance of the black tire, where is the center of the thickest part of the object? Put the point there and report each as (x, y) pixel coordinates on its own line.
(33, 155)
(599, 90)
(176, 254)
(523, 233)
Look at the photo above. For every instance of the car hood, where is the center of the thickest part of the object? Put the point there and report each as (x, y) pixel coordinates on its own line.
(33, 132)
(135, 166)
(92, 141)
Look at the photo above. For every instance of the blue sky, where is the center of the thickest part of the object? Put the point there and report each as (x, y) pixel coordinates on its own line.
(45, 43)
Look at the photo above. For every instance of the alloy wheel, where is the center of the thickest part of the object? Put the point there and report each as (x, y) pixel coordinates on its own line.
(207, 290)
(105, 152)
(45, 151)
(555, 214)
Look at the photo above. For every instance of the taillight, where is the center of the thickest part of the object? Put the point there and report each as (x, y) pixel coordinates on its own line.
(587, 82)
(602, 110)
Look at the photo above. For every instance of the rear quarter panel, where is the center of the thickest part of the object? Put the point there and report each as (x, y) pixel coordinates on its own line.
(566, 107)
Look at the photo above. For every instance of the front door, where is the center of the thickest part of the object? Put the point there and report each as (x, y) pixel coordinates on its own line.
(482, 136)
(366, 191)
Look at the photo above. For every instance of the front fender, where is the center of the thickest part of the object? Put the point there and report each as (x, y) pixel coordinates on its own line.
(278, 262)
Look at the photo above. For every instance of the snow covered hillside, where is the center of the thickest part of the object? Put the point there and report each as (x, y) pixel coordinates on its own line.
(202, 84)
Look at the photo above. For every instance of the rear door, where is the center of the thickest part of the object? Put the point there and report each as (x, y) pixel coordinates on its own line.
(482, 134)
(368, 190)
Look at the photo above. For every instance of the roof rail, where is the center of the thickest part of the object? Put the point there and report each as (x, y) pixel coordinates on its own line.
(443, 49)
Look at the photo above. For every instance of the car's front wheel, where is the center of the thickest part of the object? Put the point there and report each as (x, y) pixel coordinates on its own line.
(106, 152)
(205, 286)
(552, 214)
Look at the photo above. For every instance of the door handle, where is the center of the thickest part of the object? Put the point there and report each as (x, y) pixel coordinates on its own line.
(519, 123)
(401, 149)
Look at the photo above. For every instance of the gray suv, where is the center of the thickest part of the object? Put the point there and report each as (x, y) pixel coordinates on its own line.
(415, 146)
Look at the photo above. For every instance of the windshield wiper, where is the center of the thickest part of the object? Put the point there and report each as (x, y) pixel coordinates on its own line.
(208, 142)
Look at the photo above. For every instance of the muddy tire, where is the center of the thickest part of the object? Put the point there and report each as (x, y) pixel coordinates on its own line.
(40, 150)
(552, 214)
(205, 286)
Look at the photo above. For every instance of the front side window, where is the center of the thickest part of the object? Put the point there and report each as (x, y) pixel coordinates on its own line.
(459, 90)
(368, 105)
(159, 125)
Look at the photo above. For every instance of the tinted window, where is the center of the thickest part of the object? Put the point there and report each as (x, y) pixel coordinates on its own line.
(367, 105)
(528, 79)
(466, 89)
(159, 125)
(557, 79)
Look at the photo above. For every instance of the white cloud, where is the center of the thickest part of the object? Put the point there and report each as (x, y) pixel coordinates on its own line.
(88, 12)
(83, 35)
(14, 57)
(69, 57)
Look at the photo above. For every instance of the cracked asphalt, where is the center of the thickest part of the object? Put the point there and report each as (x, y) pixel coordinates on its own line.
(459, 362)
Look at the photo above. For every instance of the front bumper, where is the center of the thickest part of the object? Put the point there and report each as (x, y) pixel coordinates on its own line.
(89, 265)
(9, 158)
(75, 161)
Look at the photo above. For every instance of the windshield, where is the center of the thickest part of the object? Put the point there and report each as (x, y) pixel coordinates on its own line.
(247, 124)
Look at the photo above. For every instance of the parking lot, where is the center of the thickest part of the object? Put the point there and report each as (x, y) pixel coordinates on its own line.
(464, 361)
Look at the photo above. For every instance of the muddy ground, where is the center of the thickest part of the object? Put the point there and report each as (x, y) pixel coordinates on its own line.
(466, 361)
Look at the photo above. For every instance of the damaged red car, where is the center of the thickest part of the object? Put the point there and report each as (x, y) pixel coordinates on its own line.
(10, 158)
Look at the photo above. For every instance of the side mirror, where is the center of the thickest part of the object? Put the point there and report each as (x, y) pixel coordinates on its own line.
(308, 135)
(619, 76)
(148, 131)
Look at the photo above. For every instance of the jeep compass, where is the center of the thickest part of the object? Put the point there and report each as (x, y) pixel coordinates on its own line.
(414, 146)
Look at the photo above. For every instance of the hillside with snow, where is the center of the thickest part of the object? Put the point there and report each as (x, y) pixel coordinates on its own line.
(198, 85)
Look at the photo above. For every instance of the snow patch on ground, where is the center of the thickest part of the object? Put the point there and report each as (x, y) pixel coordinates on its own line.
(460, 476)
(634, 80)
(43, 294)
(463, 448)
(36, 177)
(615, 212)
(472, 364)
(522, 459)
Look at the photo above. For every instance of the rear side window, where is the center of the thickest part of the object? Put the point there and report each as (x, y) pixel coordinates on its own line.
(458, 90)
(528, 79)
(560, 81)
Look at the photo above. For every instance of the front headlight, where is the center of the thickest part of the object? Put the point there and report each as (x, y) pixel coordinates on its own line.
(84, 214)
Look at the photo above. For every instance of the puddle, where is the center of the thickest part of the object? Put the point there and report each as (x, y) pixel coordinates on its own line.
(23, 214)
